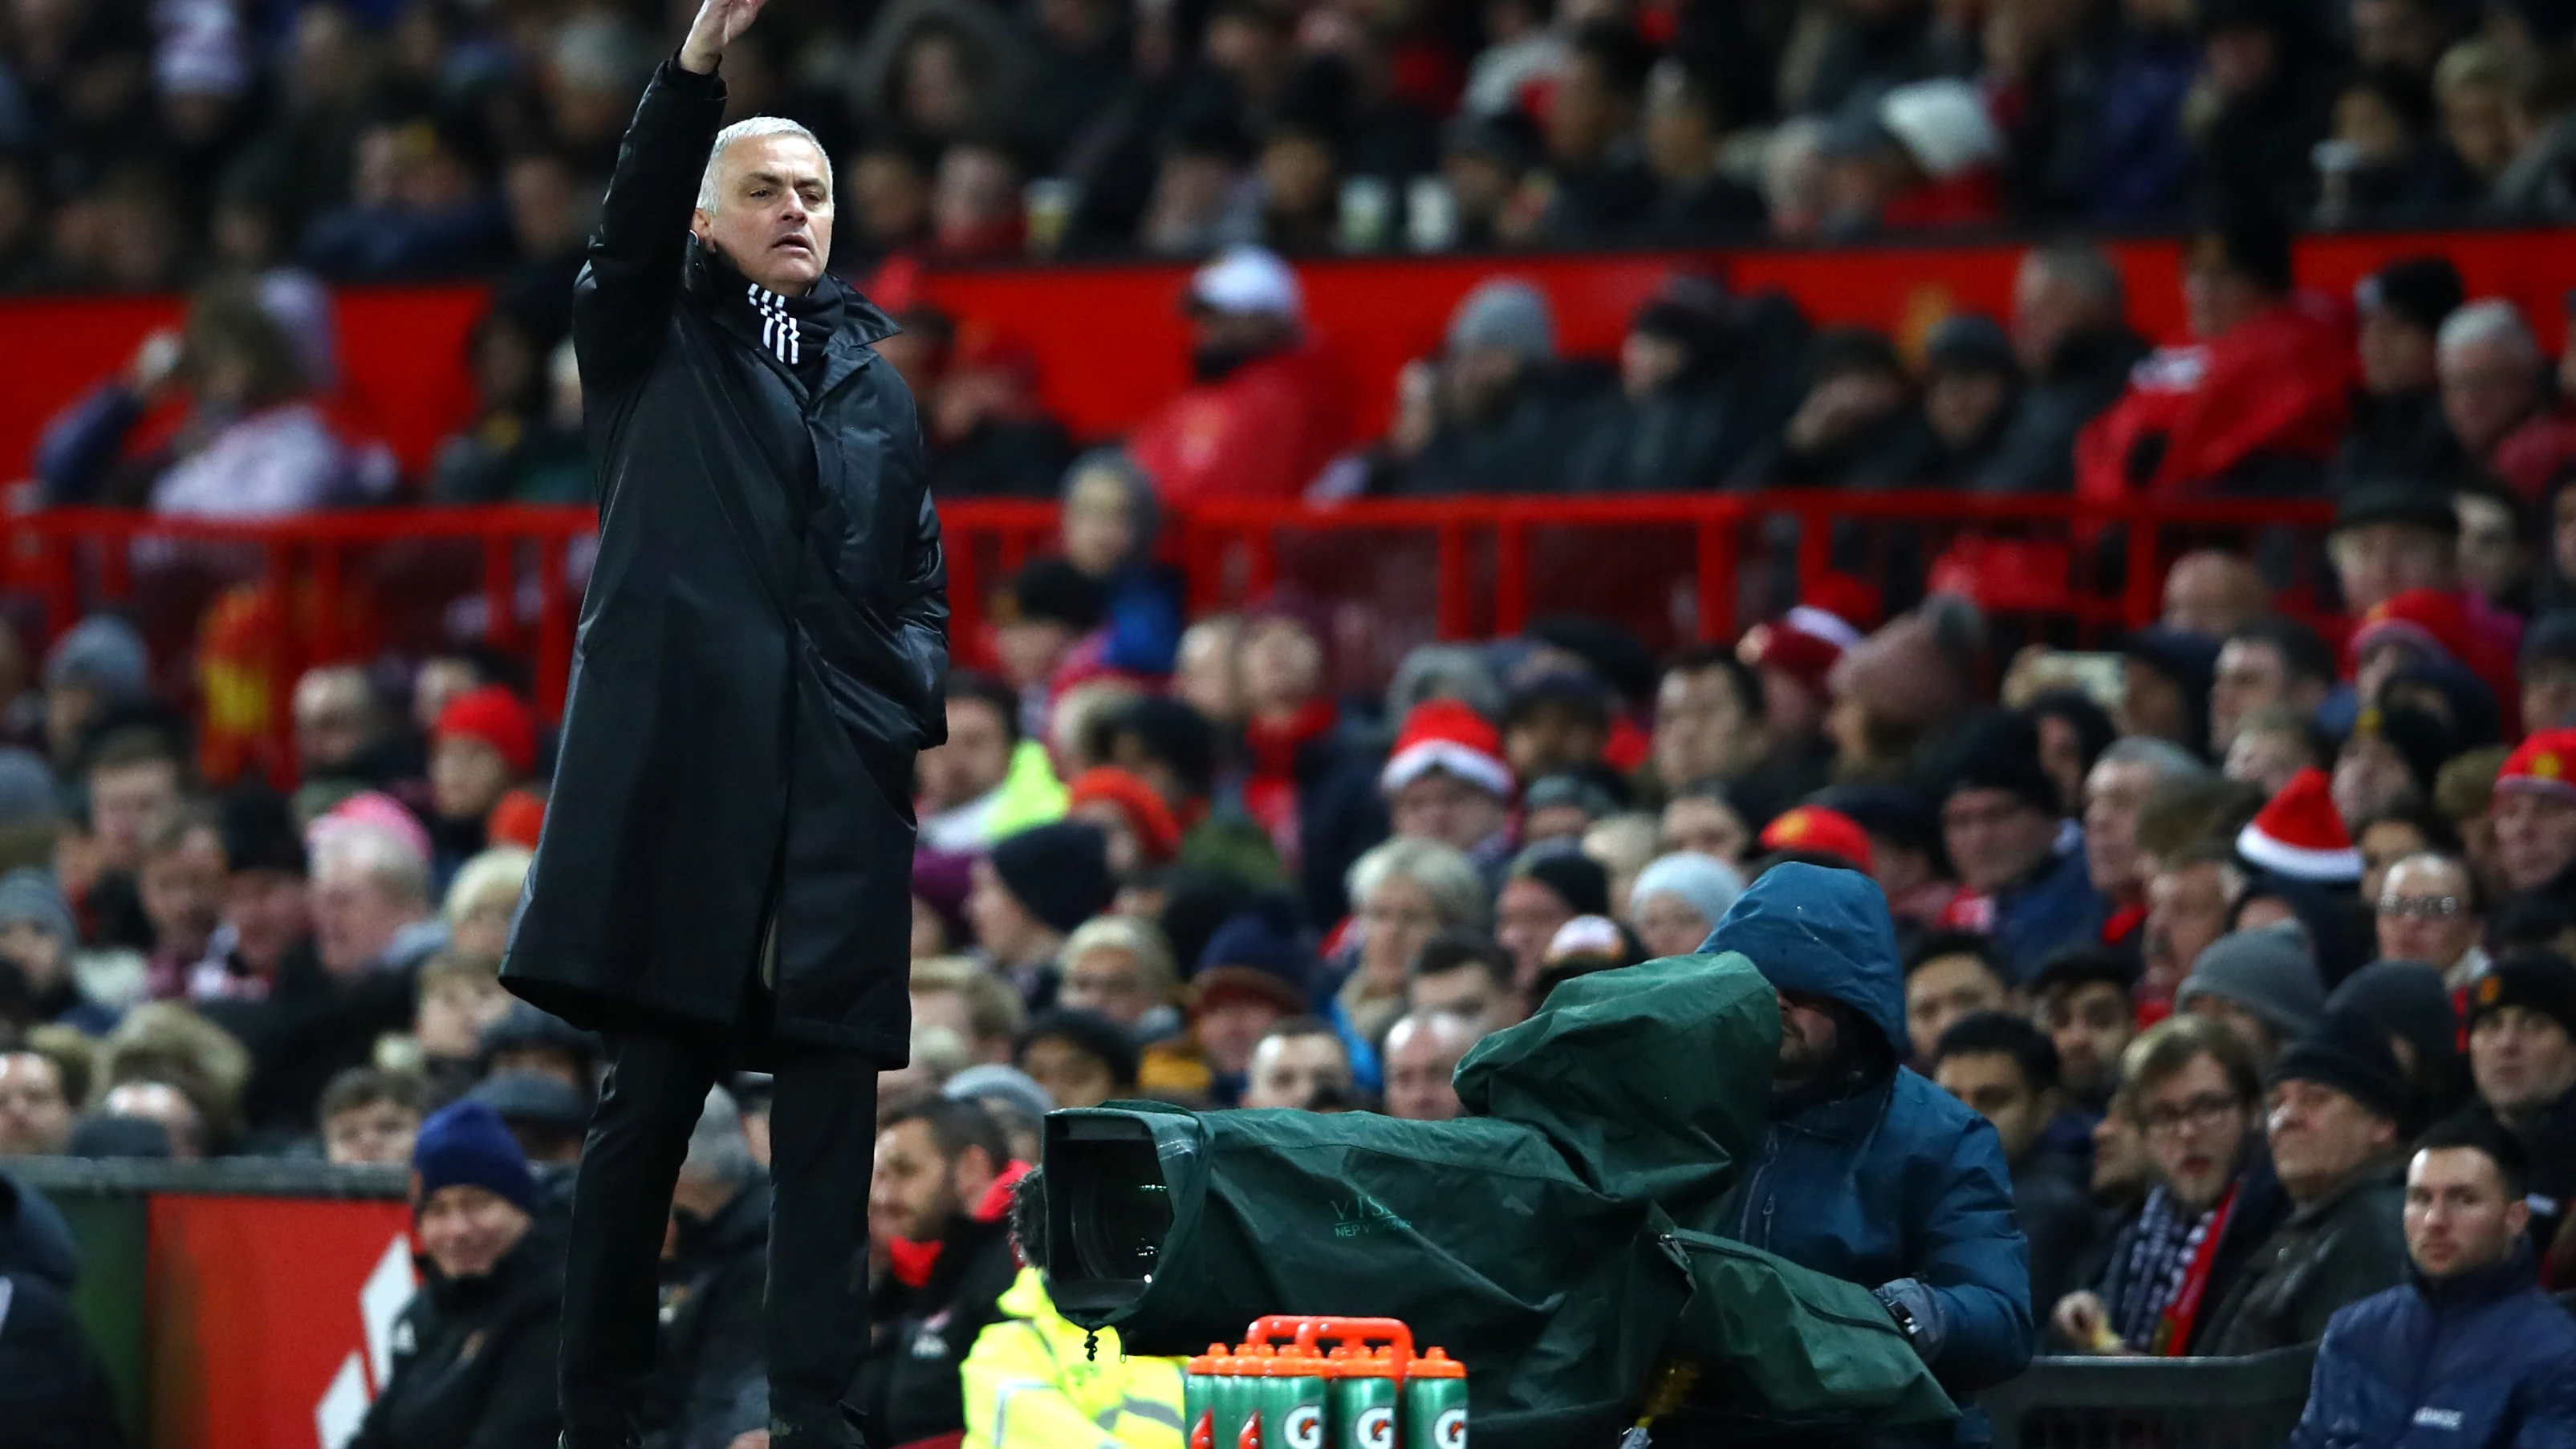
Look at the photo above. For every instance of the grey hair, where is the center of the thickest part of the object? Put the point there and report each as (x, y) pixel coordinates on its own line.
(747, 129)
(374, 852)
(1457, 891)
(2489, 319)
(1444, 671)
(2084, 267)
(718, 1150)
(2168, 760)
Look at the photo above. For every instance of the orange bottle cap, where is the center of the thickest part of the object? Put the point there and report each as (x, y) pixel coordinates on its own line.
(1436, 1363)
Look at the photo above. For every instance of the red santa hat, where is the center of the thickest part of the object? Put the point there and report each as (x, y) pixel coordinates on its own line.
(2299, 834)
(1806, 642)
(1448, 734)
(2544, 765)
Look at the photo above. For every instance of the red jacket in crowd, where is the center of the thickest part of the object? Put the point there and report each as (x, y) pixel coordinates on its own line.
(2279, 383)
(1262, 431)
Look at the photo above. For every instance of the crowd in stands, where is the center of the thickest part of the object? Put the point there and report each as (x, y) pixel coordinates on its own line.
(2210, 938)
(144, 145)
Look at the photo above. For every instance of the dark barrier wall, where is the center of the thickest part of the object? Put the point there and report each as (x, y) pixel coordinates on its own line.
(1111, 342)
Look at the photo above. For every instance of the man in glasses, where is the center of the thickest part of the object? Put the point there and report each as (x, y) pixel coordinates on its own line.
(2429, 911)
(2191, 1086)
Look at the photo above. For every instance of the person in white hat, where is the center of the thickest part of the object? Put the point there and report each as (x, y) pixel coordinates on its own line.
(1262, 414)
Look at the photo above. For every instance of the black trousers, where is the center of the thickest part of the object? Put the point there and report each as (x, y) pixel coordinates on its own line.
(822, 1136)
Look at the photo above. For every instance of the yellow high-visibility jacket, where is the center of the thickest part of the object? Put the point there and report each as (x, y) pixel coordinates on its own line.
(1030, 1386)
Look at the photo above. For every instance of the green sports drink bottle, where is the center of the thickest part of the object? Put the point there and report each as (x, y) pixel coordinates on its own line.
(1364, 1400)
(1435, 1403)
(1199, 1397)
(1293, 1402)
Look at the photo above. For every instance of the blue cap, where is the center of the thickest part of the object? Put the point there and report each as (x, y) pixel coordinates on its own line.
(467, 1143)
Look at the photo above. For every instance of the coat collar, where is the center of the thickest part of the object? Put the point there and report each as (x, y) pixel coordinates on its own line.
(859, 326)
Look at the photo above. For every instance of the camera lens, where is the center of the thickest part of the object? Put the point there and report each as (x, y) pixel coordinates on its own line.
(1120, 1211)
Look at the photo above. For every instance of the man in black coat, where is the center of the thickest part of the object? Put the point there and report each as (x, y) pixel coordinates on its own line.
(726, 876)
(939, 1214)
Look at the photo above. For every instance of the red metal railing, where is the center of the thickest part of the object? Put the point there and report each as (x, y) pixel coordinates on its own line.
(1497, 553)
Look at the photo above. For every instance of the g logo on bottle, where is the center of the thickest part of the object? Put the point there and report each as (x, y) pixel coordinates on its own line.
(1449, 1431)
(1305, 1427)
(1377, 1429)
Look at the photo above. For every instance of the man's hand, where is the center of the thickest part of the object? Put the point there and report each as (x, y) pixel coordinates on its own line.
(2086, 1322)
(718, 22)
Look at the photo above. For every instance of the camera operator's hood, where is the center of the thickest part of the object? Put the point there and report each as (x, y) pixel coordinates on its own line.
(1816, 931)
(1652, 1080)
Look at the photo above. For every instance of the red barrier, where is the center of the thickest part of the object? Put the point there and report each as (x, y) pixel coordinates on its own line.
(1111, 343)
(271, 1319)
(1675, 567)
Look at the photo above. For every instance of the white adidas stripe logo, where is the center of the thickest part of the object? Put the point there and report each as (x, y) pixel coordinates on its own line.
(778, 331)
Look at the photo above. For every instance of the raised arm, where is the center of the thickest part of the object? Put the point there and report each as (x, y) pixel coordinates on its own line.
(624, 295)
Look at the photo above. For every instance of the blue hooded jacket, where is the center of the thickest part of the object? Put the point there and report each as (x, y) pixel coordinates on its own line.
(1898, 1186)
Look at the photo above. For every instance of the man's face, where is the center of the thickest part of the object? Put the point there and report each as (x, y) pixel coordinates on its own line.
(2091, 1022)
(2186, 911)
(1701, 729)
(1810, 1034)
(1292, 1071)
(2487, 387)
(35, 1116)
(1465, 992)
(1107, 980)
(331, 724)
(2396, 355)
(2152, 704)
(2523, 1061)
(2251, 676)
(1551, 739)
(129, 802)
(1995, 837)
(974, 762)
(1704, 826)
(376, 1132)
(183, 892)
(454, 1010)
(915, 1193)
(2549, 691)
(467, 1230)
(2195, 1126)
(2322, 1137)
(355, 918)
(2423, 913)
(773, 216)
(1945, 990)
(2375, 562)
(2459, 1218)
(2371, 777)
(1072, 1076)
(1003, 926)
(1422, 1056)
(467, 777)
(1283, 666)
(2535, 836)
(1440, 806)
(1527, 917)
(2112, 796)
(269, 911)
(1231, 1026)
(160, 1102)
(1992, 1084)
